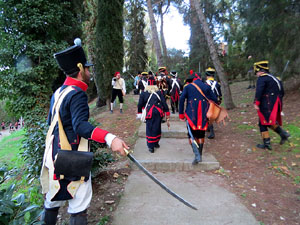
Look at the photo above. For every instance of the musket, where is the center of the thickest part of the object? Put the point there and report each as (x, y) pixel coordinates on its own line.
(163, 186)
(286, 65)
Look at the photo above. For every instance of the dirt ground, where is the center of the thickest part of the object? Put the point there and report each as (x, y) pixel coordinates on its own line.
(267, 182)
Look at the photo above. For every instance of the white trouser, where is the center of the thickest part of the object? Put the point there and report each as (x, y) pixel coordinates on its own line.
(79, 203)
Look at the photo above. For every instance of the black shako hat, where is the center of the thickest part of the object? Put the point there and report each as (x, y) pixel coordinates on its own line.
(69, 58)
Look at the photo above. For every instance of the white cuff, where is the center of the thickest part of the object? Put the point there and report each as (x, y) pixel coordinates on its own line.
(109, 138)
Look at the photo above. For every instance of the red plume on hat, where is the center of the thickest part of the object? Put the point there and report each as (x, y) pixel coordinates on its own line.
(116, 73)
(191, 72)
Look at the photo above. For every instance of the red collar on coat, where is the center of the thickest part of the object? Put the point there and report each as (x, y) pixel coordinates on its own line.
(74, 82)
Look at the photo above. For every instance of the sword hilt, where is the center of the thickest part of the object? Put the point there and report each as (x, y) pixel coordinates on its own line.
(127, 151)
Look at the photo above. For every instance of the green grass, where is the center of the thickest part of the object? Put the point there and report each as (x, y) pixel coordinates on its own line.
(10, 146)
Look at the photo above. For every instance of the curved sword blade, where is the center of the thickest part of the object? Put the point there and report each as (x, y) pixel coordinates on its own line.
(139, 165)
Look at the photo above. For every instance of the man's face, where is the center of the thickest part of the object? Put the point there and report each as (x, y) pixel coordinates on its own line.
(86, 76)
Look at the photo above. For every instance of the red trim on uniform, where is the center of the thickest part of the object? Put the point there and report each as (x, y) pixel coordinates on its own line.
(181, 116)
(158, 136)
(257, 102)
(275, 115)
(193, 127)
(199, 122)
(70, 81)
(152, 141)
(55, 177)
(168, 113)
(99, 135)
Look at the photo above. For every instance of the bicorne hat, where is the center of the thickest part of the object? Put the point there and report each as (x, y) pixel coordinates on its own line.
(262, 65)
(162, 69)
(68, 59)
(210, 71)
(174, 74)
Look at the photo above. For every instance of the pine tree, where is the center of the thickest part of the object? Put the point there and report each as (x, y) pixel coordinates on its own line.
(137, 41)
(109, 46)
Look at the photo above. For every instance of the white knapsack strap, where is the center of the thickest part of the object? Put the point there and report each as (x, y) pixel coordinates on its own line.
(173, 84)
(64, 143)
(148, 100)
(276, 80)
(58, 100)
(157, 96)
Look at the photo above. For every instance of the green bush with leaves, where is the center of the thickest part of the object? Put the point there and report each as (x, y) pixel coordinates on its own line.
(101, 157)
(16, 209)
(34, 146)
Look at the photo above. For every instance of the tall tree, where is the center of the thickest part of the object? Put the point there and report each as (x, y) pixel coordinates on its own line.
(109, 46)
(137, 41)
(272, 31)
(214, 55)
(31, 32)
(162, 36)
(89, 36)
(154, 32)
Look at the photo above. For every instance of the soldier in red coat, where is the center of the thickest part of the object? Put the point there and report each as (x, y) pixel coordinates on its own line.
(268, 103)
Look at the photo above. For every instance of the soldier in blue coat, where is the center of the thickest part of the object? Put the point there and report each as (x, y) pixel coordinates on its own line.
(174, 89)
(268, 103)
(74, 114)
(156, 110)
(195, 111)
(216, 89)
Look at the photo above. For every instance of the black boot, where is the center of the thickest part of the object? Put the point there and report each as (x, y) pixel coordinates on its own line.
(197, 158)
(283, 134)
(151, 150)
(79, 218)
(266, 144)
(200, 151)
(50, 216)
(156, 145)
(212, 133)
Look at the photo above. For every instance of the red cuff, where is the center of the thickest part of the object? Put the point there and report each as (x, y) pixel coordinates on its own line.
(257, 103)
(181, 116)
(167, 113)
(99, 135)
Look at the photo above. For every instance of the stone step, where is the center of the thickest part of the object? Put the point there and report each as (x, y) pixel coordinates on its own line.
(177, 130)
(173, 155)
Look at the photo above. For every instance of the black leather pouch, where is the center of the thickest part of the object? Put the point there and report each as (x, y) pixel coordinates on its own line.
(73, 164)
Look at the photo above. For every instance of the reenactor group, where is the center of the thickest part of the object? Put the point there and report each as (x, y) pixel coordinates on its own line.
(191, 100)
(69, 130)
(155, 91)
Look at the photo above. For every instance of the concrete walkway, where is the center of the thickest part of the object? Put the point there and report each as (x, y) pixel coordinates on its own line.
(145, 203)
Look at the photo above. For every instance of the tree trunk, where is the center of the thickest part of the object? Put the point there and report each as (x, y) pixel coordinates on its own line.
(155, 34)
(162, 37)
(214, 56)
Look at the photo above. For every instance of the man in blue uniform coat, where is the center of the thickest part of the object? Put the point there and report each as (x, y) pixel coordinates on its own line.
(268, 103)
(74, 114)
(216, 89)
(156, 110)
(195, 111)
(174, 88)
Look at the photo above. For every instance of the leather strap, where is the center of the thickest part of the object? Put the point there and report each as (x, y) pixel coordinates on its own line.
(199, 89)
(64, 143)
